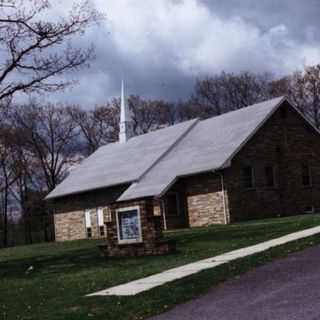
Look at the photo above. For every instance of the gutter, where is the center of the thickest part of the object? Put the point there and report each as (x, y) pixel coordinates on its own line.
(224, 198)
(49, 197)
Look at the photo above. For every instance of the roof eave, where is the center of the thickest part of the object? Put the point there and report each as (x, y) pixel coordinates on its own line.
(227, 163)
(48, 197)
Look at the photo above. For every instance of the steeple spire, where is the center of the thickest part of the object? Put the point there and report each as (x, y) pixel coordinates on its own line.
(126, 123)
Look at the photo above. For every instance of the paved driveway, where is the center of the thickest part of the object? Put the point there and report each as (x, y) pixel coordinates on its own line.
(287, 289)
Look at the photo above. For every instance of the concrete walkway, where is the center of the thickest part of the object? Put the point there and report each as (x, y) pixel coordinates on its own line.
(144, 284)
(284, 289)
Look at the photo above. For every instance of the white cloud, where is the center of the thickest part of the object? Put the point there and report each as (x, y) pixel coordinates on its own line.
(186, 36)
(161, 46)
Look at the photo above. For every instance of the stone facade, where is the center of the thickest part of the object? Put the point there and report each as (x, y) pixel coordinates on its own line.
(69, 217)
(152, 242)
(285, 142)
(69, 225)
(205, 201)
(202, 202)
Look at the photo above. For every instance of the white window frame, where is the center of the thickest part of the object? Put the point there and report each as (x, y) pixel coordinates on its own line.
(88, 223)
(129, 241)
(100, 222)
(87, 218)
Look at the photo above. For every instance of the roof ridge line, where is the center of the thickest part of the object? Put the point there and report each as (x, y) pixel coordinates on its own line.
(263, 121)
(304, 117)
(174, 143)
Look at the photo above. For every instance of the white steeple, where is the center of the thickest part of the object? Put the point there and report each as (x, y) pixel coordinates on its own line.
(126, 122)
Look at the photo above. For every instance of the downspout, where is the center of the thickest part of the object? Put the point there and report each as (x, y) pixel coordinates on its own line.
(163, 211)
(54, 222)
(224, 198)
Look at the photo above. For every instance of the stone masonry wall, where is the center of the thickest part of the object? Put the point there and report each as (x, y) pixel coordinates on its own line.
(151, 228)
(69, 220)
(69, 226)
(205, 200)
(284, 142)
(69, 217)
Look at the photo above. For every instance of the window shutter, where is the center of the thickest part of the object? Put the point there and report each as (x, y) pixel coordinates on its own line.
(87, 218)
(100, 217)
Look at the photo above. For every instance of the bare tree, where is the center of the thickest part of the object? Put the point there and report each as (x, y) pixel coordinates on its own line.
(7, 176)
(50, 134)
(35, 51)
(227, 91)
(189, 110)
(303, 89)
(29, 181)
(98, 127)
(280, 87)
(296, 90)
(209, 95)
(148, 115)
(170, 114)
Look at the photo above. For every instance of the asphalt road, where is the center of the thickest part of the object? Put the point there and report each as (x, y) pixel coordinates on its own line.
(287, 289)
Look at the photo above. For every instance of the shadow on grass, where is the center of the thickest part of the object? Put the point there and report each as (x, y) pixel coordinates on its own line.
(77, 261)
(191, 244)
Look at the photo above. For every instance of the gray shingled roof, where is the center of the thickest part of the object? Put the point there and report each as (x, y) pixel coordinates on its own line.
(120, 163)
(208, 146)
(152, 162)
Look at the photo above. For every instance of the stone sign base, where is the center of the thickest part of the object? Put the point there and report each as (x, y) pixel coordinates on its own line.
(160, 247)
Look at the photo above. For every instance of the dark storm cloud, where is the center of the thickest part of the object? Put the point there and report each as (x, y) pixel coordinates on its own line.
(160, 47)
(298, 15)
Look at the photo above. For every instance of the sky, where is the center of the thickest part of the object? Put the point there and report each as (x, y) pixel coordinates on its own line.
(161, 47)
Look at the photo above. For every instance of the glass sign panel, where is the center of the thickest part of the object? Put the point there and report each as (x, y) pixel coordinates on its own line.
(129, 225)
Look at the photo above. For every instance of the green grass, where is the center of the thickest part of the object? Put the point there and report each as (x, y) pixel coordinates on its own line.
(65, 272)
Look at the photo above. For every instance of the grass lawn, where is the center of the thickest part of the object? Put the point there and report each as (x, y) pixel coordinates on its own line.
(64, 272)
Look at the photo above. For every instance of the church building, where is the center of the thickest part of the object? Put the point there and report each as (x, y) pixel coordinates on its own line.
(257, 162)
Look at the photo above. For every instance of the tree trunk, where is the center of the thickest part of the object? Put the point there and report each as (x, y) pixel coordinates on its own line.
(5, 218)
(27, 230)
